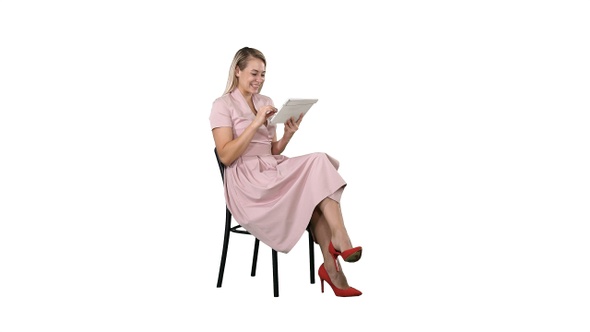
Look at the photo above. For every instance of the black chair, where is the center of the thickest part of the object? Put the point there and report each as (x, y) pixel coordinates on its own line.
(238, 229)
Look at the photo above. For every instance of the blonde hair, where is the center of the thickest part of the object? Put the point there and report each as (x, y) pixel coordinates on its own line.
(241, 59)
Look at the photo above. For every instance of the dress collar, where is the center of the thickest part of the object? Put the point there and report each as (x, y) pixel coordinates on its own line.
(236, 94)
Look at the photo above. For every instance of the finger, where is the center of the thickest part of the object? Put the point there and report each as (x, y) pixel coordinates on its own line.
(300, 118)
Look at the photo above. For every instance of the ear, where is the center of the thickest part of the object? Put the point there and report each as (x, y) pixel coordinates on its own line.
(238, 71)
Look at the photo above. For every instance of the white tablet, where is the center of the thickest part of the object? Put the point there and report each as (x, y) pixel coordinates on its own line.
(293, 107)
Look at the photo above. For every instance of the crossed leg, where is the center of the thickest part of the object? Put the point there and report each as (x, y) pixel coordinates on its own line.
(327, 225)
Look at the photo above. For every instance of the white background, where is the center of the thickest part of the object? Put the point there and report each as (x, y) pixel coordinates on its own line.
(461, 128)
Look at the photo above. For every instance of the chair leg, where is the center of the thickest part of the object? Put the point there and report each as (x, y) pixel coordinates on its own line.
(275, 273)
(255, 257)
(311, 259)
(275, 263)
(225, 246)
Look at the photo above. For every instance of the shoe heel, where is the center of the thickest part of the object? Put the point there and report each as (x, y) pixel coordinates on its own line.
(324, 276)
(334, 254)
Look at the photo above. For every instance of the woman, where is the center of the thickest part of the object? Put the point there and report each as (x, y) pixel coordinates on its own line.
(272, 196)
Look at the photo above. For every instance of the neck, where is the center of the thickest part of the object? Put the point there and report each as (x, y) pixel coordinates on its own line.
(247, 95)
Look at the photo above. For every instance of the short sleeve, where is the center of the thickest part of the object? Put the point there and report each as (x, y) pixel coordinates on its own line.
(220, 115)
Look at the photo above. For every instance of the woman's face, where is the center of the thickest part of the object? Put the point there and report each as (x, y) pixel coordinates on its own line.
(251, 78)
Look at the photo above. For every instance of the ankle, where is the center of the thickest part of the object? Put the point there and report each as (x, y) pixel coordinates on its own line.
(341, 243)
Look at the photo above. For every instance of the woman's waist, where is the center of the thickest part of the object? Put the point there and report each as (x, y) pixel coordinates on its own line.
(257, 149)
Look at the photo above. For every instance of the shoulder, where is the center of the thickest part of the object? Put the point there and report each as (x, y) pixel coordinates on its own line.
(223, 100)
(222, 106)
(225, 103)
(221, 112)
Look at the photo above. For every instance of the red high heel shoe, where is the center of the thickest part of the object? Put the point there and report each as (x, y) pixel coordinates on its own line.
(350, 291)
(350, 255)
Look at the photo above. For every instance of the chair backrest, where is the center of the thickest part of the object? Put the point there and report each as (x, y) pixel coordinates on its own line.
(220, 164)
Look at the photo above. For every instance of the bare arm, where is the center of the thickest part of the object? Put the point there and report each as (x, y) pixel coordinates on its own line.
(229, 148)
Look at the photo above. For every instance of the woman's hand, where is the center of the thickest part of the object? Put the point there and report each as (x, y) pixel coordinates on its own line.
(292, 125)
(264, 113)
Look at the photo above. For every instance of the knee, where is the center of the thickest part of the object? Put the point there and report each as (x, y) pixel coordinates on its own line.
(324, 157)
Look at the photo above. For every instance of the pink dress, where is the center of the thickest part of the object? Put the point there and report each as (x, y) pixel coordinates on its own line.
(272, 196)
